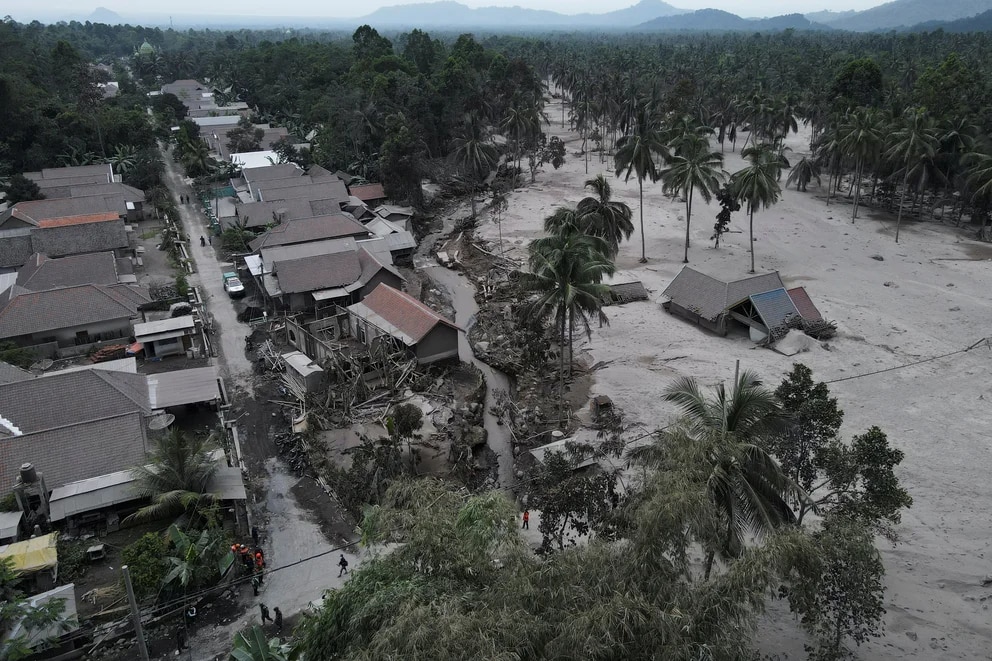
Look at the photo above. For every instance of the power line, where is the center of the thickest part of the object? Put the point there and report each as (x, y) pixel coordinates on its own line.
(984, 340)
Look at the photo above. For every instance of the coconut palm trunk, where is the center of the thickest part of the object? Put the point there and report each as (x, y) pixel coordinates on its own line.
(688, 216)
(750, 208)
(644, 249)
(902, 201)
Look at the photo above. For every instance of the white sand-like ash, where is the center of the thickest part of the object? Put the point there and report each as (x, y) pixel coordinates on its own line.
(927, 297)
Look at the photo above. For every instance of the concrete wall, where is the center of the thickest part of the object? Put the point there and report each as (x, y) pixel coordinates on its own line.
(440, 343)
(385, 276)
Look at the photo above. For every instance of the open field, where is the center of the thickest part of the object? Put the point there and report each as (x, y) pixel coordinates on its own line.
(927, 297)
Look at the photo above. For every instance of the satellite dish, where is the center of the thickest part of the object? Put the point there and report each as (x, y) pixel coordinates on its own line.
(161, 421)
(42, 365)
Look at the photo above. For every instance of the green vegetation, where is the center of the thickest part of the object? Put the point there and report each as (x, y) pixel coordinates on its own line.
(145, 559)
(15, 609)
(176, 477)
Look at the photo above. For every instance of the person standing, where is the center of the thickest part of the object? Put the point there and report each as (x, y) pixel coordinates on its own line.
(254, 529)
(265, 613)
(526, 525)
(278, 620)
(343, 564)
(256, 582)
(180, 639)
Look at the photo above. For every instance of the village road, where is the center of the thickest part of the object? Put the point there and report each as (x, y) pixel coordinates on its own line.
(292, 535)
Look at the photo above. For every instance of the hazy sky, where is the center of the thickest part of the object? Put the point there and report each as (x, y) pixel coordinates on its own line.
(28, 9)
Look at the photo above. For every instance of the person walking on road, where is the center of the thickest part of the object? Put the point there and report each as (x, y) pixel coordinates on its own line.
(343, 564)
(526, 525)
(278, 620)
(265, 613)
(203, 241)
(254, 536)
(180, 639)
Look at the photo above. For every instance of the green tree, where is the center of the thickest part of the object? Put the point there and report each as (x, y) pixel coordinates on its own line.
(176, 477)
(638, 153)
(253, 645)
(747, 488)
(840, 597)
(601, 216)
(400, 162)
(245, 137)
(145, 559)
(403, 423)
(123, 159)
(858, 83)
(757, 185)
(728, 204)
(196, 559)
(26, 629)
(912, 150)
(693, 168)
(474, 153)
(21, 189)
(804, 171)
(861, 139)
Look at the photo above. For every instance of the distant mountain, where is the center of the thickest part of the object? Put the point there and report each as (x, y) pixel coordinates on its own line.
(104, 15)
(827, 17)
(450, 14)
(980, 23)
(716, 20)
(906, 13)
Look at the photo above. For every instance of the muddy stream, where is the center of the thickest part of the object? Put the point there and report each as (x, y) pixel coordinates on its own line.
(463, 300)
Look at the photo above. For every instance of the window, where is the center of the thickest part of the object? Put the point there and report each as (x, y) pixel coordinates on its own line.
(361, 333)
(292, 337)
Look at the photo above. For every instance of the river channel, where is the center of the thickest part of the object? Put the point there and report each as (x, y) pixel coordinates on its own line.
(463, 300)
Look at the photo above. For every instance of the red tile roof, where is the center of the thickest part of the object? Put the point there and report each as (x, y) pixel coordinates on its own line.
(404, 312)
(368, 192)
(65, 221)
(804, 304)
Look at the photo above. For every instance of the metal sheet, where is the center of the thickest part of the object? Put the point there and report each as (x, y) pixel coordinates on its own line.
(190, 386)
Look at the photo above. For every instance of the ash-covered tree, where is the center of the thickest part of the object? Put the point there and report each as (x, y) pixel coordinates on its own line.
(21, 623)
(728, 204)
(403, 424)
(400, 161)
(573, 502)
(21, 189)
(546, 151)
(244, 137)
(839, 596)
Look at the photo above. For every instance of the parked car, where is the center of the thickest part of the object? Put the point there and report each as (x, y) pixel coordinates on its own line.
(233, 285)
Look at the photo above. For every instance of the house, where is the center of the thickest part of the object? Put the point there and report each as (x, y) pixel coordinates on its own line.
(399, 215)
(371, 194)
(199, 99)
(217, 138)
(388, 312)
(303, 189)
(324, 281)
(102, 173)
(255, 176)
(41, 273)
(712, 302)
(35, 560)
(69, 320)
(134, 199)
(166, 337)
(399, 242)
(73, 425)
(305, 230)
(60, 227)
(760, 302)
(257, 215)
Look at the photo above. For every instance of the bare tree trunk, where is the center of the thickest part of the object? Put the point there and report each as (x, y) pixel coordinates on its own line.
(751, 223)
(857, 192)
(688, 215)
(644, 254)
(902, 201)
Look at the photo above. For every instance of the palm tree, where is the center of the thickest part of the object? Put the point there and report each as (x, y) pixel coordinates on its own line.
(177, 476)
(745, 484)
(861, 139)
(123, 159)
(913, 148)
(566, 272)
(601, 216)
(637, 153)
(254, 645)
(473, 152)
(757, 184)
(978, 179)
(693, 167)
(803, 172)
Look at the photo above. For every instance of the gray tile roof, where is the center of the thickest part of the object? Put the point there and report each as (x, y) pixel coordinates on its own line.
(709, 297)
(69, 398)
(79, 238)
(325, 207)
(39, 210)
(324, 190)
(260, 214)
(66, 182)
(11, 374)
(272, 254)
(78, 451)
(280, 171)
(103, 170)
(27, 312)
(318, 272)
(303, 230)
(41, 272)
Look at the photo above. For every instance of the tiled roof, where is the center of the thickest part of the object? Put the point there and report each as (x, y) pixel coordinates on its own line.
(318, 272)
(35, 312)
(66, 221)
(709, 297)
(102, 170)
(68, 398)
(91, 205)
(41, 273)
(804, 304)
(403, 311)
(310, 229)
(11, 374)
(323, 190)
(280, 171)
(260, 214)
(368, 192)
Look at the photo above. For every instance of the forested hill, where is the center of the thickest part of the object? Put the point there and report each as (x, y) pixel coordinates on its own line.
(980, 23)
(716, 20)
(906, 13)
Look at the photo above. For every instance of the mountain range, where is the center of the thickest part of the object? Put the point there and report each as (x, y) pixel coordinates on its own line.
(645, 16)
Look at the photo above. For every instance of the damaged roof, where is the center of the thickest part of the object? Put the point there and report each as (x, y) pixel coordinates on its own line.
(709, 297)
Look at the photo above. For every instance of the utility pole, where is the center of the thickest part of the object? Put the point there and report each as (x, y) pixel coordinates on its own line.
(135, 615)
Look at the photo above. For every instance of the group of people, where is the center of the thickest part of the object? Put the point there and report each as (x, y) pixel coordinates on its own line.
(253, 563)
(183, 199)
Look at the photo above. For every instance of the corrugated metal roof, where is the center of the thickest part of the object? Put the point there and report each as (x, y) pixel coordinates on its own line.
(740, 290)
(92, 494)
(183, 387)
(625, 292)
(804, 304)
(274, 254)
(9, 521)
(774, 307)
(227, 484)
(163, 326)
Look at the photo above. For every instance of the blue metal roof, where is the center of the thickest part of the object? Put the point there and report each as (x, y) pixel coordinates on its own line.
(774, 307)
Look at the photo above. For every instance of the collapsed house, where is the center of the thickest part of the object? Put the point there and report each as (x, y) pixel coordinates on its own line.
(759, 302)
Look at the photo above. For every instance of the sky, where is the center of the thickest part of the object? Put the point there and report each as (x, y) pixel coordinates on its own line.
(29, 9)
